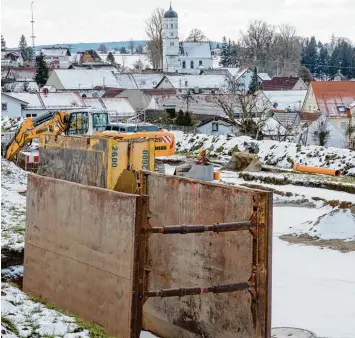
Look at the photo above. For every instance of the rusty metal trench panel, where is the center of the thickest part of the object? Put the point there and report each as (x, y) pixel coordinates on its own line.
(210, 261)
(79, 250)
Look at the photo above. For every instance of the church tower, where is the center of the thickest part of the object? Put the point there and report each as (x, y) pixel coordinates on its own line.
(171, 61)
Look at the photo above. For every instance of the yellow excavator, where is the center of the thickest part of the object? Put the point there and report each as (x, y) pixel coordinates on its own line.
(82, 122)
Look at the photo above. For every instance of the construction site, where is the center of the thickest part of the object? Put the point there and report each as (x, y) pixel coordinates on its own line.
(154, 233)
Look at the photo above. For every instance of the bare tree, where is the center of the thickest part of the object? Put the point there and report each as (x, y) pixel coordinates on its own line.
(131, 45)
(258, 39)
(154, 31)
(196, 35)
(102, 48)
(287, 49)
(248, 112)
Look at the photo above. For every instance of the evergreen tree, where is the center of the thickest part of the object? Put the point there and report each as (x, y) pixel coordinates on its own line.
(187, 119)
(30, 53)
(42, 71)
(309, 57)
(110, 58)
(22, 46)
(254, 84)
(123, 50)
(226, 51)
(343, 59)
(323, 63)
(180, 119)
(3, 42)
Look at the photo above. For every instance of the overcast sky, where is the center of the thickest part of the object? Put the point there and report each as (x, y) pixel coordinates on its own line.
(71, 21)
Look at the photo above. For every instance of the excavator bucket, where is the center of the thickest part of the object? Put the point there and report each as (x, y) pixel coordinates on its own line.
(243, 161)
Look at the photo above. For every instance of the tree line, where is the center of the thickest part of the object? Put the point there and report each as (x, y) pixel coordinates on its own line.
(278, 50)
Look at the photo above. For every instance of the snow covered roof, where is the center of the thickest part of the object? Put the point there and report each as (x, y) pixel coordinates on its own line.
(32, 99)
(147, 81)
(125, 81)
(21, 73)
(196, 49)
(200, 81)
(51, 100)
(286, 98)
(115, 104)
(61, 99)
(119, 104)
(264, 76)
(56, 51)
(84, 79)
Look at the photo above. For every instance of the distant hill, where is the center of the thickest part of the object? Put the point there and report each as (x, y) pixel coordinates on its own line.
(76, 47)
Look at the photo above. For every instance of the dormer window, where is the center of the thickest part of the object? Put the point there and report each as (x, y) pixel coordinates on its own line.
(341, 109)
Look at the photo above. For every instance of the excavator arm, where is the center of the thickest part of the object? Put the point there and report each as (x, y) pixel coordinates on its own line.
(50, 123)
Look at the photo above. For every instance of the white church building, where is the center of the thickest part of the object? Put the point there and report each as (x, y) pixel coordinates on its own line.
(184, 57)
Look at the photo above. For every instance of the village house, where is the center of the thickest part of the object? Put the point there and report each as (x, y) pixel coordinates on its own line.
(81, 79)
(33, 104)
(217, 125)
(286, 100)
(193, 83)
(332, 100)
(57, 57)
(241, 77)
(284, 83)
(11, 57)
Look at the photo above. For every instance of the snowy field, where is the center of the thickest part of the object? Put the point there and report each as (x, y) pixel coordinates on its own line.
(313, 287)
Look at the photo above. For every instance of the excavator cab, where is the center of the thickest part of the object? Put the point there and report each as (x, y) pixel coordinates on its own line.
(87, 122)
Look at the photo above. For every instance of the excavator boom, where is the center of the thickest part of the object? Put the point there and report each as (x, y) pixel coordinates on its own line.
(53, 123)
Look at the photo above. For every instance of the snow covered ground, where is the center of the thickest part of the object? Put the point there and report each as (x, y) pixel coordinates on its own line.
(10, 124)
(313, 288)
(280, 154)
(13, 205)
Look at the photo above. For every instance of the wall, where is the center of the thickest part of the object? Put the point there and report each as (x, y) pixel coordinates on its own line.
(13, 106)
(54, 81)
(310, 104)
(165, 83)
(300, 85)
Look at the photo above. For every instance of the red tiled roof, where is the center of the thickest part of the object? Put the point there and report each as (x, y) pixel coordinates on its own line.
(280, 83)
(331, 94)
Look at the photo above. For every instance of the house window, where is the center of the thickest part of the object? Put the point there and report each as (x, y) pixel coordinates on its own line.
(3, 106)
(183, 64)
(171, 34)
(200, 63)
(186, 83)
(214, 126)
(191, 64)
(341, 109)
(171, 43)
(342, 125)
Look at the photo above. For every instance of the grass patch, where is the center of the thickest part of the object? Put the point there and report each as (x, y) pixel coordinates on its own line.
(18, 228)
(11, 326)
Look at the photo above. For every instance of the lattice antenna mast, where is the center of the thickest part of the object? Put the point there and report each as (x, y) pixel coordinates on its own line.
(33, 32)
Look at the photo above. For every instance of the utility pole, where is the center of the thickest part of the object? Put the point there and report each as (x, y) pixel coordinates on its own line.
(33, 33)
